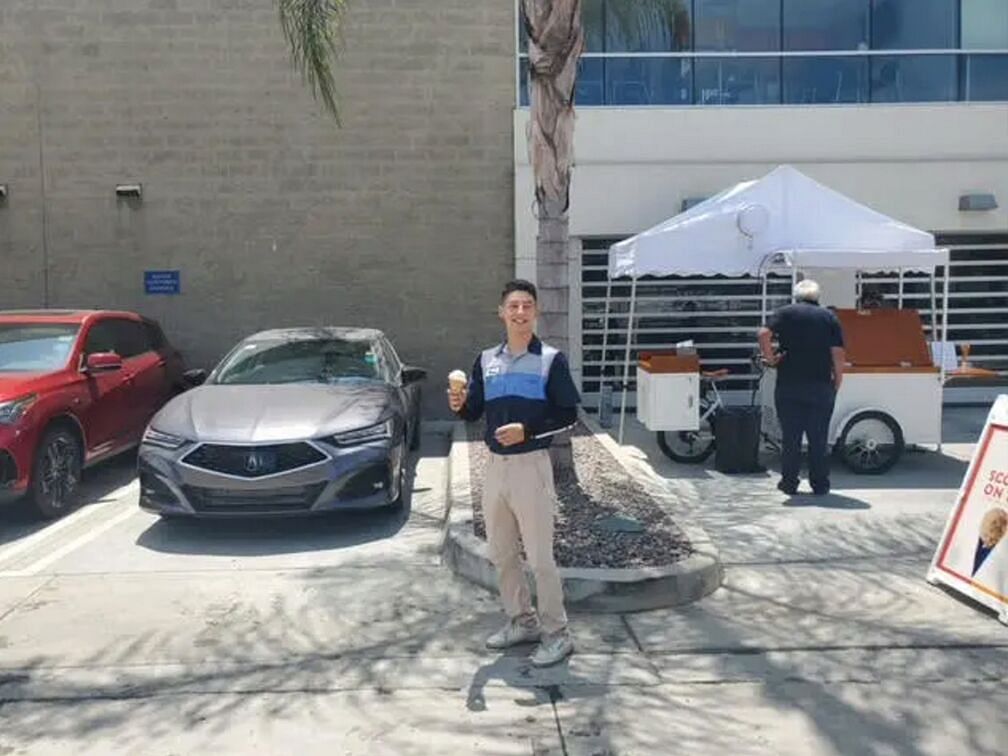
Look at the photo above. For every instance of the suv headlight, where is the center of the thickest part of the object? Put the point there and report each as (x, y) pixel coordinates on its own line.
(162, 440)
(11, 412)
(379, 432)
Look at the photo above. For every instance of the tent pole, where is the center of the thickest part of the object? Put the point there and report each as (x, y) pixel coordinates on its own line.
(945, 300)
(794, 282)
(934, 308)
(899, 300)
(945, 289)
(626, 356)
(605, 339)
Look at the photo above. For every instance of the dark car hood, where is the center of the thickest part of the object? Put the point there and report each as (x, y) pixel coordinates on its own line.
(259, 414)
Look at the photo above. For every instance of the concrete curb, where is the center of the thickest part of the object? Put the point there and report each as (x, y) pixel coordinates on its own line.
(585, 588)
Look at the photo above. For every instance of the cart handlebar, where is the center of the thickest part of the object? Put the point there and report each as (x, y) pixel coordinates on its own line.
(760, 365)
(715, 375)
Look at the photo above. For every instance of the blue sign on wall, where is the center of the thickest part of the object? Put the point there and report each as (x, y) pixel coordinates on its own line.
(162, 282)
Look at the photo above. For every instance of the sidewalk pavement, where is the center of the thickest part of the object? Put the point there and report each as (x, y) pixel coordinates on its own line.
(824, 639)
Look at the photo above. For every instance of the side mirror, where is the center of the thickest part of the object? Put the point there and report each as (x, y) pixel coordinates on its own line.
(102, 362)
(411, 375)
(195, 377)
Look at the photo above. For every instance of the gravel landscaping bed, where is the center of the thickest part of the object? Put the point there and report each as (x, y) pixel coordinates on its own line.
(599, 490)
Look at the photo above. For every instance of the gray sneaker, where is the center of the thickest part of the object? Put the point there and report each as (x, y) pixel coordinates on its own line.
(514, 633)
(554, 649)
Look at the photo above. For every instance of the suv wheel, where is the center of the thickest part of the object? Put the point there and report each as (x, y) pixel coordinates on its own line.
(56, 474)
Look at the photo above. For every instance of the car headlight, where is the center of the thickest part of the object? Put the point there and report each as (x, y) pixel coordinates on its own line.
(162, 440)
(11, 412)
(379, 432)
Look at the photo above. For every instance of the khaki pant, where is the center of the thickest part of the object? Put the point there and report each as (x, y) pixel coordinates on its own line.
(519, 500)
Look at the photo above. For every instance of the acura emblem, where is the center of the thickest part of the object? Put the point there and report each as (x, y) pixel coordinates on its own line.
(254, 463)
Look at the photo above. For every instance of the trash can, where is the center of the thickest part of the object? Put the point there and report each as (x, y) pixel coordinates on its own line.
(737, 439)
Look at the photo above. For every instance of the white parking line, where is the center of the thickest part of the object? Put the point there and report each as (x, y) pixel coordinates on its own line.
(92, 511)
(54, 556)
(28, 542)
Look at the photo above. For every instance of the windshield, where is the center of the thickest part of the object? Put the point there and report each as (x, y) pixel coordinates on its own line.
(302, 361)
(35, 347)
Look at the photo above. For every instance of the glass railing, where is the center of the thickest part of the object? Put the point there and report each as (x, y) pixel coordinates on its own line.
(794, 78)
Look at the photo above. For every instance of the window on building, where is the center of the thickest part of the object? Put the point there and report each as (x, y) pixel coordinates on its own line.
(593, 24)
(647, 25)
(985, 24)
(737, 25)
(913, 78)
(591, 81)
(826, 24)
(826, 80)
(794, 52)
(737, 81)
(984, 77)
(914, 24)
(648, 81)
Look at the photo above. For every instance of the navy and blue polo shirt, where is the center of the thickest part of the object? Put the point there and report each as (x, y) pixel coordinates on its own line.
(534, 388)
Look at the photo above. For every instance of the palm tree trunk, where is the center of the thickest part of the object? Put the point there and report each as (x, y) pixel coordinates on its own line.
(555, 42)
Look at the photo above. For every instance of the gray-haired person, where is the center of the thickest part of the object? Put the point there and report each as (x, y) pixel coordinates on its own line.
(810, 367)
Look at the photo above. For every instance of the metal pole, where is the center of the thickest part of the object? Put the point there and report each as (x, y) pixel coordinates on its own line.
(899, 299)
(626, 356)
(605, 340)
(794, 282)
(934, 308)
(945, 290)
(945, 303)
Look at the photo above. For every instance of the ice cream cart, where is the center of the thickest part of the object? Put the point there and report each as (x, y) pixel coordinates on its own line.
(788, 224)
(891, 394)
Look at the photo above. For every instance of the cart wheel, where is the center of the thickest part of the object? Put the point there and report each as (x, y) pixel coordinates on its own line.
(871, 443)
(688, 447)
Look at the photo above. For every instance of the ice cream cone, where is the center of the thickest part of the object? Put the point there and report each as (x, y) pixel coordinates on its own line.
(457, 381)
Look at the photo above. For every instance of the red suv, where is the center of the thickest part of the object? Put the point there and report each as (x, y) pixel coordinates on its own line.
(76, 387)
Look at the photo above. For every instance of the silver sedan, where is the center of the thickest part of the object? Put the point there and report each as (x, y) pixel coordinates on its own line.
(291, 422)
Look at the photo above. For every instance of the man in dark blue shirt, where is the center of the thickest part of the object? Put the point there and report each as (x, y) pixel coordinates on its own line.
(810, 367)
(525, 390)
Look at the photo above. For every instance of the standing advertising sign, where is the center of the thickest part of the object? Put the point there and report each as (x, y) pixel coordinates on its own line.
(972, 556)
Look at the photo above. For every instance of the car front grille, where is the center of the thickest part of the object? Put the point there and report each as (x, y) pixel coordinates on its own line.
(260, 501)
(253, 461)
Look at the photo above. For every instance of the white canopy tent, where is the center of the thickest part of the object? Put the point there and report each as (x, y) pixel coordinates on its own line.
(784, 220)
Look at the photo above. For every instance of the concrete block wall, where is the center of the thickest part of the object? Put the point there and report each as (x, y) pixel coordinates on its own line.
(402, 219)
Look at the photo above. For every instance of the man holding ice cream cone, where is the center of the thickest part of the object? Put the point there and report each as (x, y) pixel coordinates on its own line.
(525, 389)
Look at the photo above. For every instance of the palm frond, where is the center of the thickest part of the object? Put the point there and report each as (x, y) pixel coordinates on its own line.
(313, 32)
